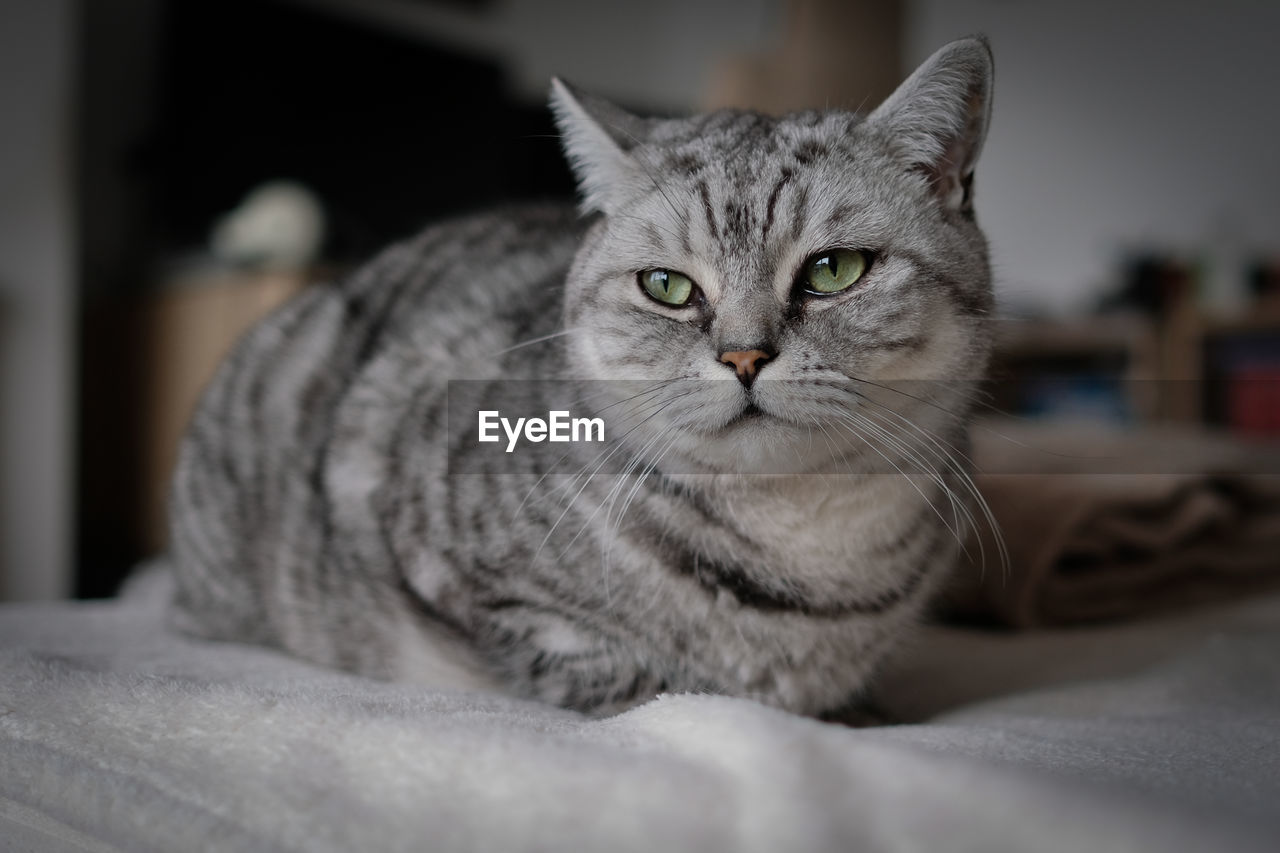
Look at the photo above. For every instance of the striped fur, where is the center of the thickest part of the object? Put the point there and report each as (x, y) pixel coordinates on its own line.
(314, 510)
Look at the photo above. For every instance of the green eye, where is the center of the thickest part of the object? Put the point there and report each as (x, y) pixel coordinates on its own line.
(669, 288)
(834, 271)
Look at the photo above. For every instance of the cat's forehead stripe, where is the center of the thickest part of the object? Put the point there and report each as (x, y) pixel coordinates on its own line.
(798, 210)
(705, 194)
(785, 179)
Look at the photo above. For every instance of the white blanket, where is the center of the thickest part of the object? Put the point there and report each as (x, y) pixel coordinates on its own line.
(118, 736)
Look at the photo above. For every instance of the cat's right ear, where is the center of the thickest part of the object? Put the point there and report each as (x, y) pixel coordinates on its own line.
(597, 138)
(939, 116)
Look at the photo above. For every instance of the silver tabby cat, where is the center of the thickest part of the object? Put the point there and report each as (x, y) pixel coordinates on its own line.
(744, 291)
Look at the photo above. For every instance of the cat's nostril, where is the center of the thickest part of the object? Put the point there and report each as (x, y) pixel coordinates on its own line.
(746, 363)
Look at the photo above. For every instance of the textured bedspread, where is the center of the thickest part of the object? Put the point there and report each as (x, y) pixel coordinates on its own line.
(115, 735)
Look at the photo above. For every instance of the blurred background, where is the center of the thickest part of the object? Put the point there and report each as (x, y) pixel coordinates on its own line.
(1130, 188)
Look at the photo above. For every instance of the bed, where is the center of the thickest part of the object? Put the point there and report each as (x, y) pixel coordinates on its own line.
(116, 735)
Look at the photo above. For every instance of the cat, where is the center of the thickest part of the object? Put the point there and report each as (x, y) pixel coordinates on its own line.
(741, 292)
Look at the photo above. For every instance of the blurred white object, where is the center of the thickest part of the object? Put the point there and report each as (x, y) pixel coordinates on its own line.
(279, 225)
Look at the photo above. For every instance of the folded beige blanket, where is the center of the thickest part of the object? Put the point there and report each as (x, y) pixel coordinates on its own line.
(1107, 524)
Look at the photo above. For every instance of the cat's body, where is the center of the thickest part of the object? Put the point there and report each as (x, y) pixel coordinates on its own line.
(314, 508)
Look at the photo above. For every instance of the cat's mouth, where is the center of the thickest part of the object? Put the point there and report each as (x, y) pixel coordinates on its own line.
(750, 413)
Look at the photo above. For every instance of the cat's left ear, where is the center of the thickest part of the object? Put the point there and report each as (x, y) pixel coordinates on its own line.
(598, 138)
(938, 117)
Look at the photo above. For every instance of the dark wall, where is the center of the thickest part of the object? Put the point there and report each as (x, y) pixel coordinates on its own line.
(391, 131)
(185, 105)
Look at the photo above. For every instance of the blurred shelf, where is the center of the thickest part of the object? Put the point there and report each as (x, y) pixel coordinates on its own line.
(1185, 366)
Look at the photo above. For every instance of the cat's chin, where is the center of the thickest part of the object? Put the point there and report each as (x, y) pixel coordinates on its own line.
(757, 415)
(753, 441)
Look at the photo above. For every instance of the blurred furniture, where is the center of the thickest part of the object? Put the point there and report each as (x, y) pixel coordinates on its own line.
(1241, 370)
(1078, 368)
(833, 53)
(187, 327)
(1183, 364)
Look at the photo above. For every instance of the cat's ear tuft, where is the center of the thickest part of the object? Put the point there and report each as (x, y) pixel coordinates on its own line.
(597, 138)
(938, 117)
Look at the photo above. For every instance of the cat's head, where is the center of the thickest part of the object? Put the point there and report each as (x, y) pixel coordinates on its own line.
(764, 271)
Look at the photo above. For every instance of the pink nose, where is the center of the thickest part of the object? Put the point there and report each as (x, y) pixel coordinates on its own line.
(745, 362)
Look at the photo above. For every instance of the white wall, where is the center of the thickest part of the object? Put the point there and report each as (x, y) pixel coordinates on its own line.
(36, 286)
(1118, 125)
